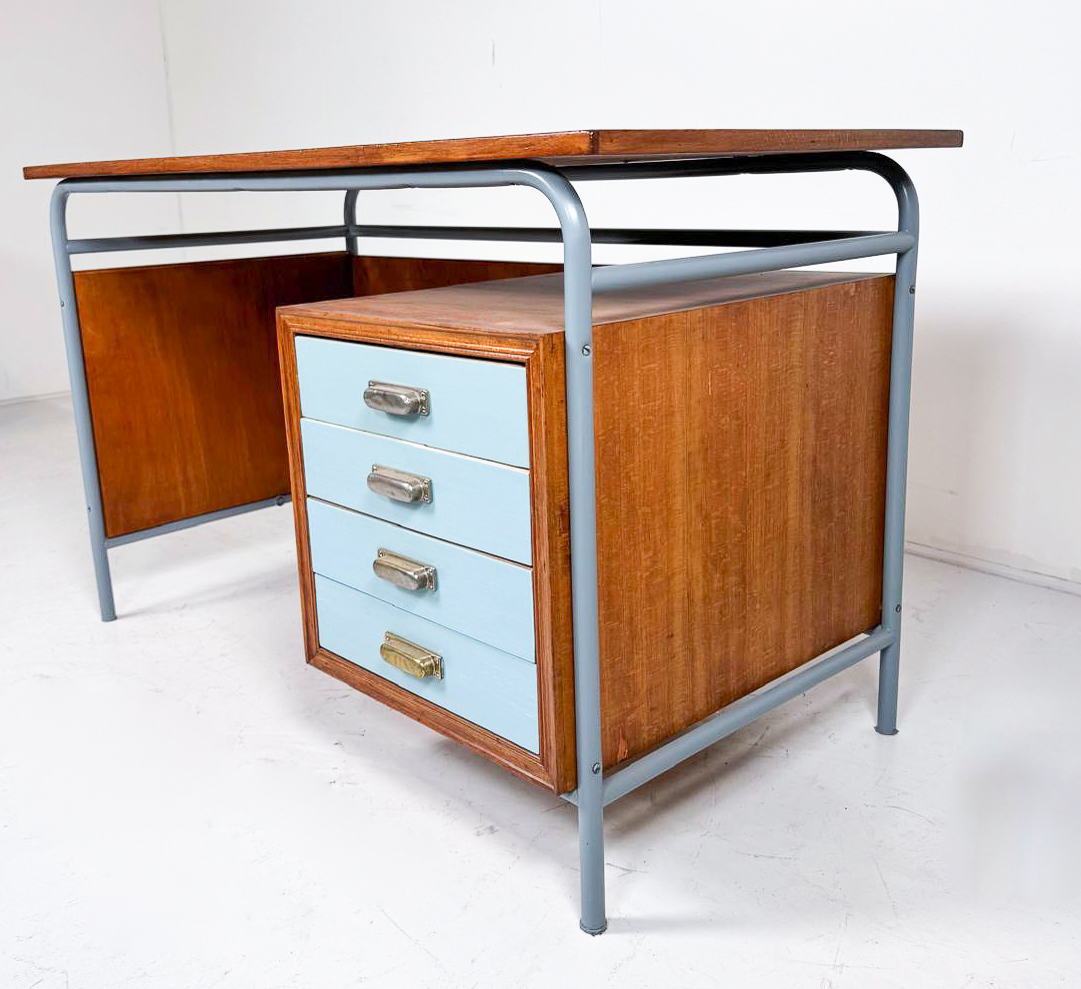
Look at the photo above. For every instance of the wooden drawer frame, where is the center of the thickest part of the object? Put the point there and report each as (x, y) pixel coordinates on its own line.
(543, 360)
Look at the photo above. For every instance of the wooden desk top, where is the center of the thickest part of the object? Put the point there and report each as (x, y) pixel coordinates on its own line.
(577, 147)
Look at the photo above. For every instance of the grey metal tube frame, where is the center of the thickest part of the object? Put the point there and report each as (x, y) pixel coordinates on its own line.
(776, 250)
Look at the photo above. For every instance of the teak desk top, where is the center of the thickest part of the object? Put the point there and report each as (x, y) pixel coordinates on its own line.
(576, 147)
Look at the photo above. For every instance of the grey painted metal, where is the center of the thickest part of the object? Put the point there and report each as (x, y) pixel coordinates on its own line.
(179, 524)
(740, 714)
(904, 298)
(541, 235)
(619, 276)
(154, 242)
(84, 432)
(578, 332)
(660, 236)
(443, 177)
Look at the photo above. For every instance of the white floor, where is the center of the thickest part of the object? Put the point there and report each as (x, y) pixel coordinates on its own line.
(185, 804)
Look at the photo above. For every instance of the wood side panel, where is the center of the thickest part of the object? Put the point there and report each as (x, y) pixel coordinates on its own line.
(182, 372)
(741, 480)
(183, 375)
(561, 147)
(543, 359)
(376, 275)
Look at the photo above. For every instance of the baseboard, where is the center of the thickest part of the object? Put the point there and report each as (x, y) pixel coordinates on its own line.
(996, 569)
(19, 400)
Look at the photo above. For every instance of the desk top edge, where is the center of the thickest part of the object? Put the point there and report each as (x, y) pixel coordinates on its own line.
(578, 147)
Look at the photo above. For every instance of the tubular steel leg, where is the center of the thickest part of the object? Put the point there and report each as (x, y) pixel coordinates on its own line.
(897, 450)
(578, 333)
(81, 401)
(889, 662)
(578, 329)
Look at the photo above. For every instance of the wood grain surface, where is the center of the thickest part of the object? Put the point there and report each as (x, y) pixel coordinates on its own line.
(380, 275)
(525, 308)
(562, 147)
(182, 370)
(741, 479)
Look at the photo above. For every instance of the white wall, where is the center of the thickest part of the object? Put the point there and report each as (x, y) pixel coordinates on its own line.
(79, 81)
(996, 452)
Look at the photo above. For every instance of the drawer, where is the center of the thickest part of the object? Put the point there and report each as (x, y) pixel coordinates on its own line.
(476, 503)
(482, 684)
(474, 407)
(478, 595)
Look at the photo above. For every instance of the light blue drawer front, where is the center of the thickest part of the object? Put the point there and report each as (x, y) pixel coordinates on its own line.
(477, 407)
(475, 503)
(475, 594)
(491, 688)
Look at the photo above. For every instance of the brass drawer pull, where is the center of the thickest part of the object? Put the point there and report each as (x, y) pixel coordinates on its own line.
(397, 400)
(410, 658)
(400, 485)
(403, 572)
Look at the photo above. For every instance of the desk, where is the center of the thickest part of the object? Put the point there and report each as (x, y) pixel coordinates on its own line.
(175, 380)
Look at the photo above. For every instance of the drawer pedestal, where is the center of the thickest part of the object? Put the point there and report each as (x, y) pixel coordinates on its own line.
(740, 431)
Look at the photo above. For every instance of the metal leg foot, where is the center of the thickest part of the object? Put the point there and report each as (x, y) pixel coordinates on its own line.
(102, 574)
(591, 857)
(888, 670)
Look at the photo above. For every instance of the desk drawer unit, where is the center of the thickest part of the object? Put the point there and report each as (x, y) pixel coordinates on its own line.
(740, 448)
(417, 524)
